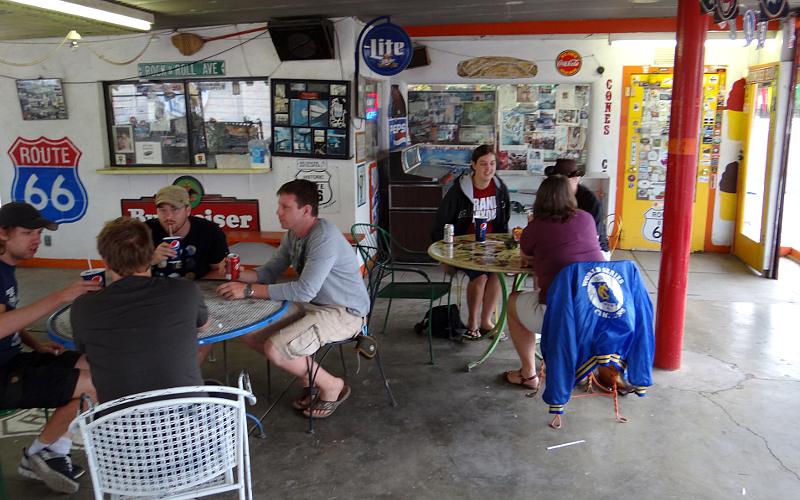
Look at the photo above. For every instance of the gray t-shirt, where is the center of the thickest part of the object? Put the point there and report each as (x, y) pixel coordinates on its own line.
(140, 334)
(327, 267)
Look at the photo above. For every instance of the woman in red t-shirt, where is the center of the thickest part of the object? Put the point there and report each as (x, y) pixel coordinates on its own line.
(559, 234)
(477, 194)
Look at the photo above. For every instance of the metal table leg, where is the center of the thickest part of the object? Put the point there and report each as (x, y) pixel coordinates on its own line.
(519, 279)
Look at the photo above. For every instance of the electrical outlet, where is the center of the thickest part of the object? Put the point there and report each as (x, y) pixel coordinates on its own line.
(48, 240)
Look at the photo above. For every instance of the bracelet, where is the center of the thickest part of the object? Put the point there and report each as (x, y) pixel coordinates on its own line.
(248, 291)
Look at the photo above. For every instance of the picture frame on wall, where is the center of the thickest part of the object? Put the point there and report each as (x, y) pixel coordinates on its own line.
(361, 146)
(311, 118)
(42, 99)
(123, 138)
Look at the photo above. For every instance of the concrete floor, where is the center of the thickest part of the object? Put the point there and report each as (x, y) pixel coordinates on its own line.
(721, 427)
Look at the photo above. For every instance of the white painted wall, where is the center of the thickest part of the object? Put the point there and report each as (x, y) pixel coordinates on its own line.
(82, 71)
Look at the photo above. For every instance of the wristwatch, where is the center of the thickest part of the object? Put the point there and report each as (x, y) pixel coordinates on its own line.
(248, 291)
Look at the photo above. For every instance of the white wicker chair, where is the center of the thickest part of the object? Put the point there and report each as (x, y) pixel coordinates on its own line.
(191, 442)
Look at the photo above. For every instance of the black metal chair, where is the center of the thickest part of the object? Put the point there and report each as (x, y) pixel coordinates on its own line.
(375, 246)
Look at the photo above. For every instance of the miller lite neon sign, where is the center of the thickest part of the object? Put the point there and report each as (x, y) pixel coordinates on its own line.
(386, 49)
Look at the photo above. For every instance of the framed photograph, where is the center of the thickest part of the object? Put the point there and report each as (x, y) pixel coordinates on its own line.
(42, 99)
(361, 184)
(123, 138)
(305, 116)
(361, 146)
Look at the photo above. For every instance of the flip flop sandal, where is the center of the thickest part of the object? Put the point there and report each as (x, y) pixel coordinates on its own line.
(473, 335)
(328, 406)
(523, 380)
(308, 395)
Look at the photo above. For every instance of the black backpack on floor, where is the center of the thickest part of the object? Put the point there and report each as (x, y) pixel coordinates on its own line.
(446, 324)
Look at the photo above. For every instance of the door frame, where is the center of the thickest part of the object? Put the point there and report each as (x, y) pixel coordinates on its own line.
(775, 171)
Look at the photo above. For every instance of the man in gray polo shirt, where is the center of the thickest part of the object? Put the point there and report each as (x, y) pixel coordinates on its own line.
(328, 300)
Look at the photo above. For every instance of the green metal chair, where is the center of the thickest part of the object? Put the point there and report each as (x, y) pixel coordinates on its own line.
(375, 246)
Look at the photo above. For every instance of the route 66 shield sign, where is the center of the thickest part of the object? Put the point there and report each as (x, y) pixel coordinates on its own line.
(322, 178)
(653, 220)
(46, 176)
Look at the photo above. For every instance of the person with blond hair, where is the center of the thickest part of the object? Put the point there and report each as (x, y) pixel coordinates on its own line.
(48, 377)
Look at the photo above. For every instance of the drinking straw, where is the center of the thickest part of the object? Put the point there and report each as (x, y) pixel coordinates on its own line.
(89, 261)
(170, 230)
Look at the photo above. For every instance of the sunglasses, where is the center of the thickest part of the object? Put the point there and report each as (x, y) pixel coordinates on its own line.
(576, 173)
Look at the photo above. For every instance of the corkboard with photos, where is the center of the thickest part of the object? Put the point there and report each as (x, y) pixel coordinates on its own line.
(311, 118)
(539, 123)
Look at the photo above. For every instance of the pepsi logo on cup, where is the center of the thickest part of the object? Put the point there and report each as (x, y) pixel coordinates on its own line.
(174, 243)
(97, 275)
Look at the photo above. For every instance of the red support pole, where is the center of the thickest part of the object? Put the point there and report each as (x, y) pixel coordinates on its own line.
(684, 132)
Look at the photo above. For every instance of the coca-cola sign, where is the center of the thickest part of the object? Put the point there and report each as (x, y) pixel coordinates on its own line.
(231, 214)
(568, 63)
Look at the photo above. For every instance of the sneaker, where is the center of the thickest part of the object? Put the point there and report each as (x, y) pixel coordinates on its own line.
(55, 469)
(25, 470)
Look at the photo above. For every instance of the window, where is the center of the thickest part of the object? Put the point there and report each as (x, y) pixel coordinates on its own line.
(184, 122)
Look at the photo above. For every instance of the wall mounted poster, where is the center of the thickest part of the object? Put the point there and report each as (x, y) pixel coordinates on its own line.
(311, 118)
(42, 99)
(326, 178)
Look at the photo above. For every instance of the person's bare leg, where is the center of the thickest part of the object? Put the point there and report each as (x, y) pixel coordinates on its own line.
(523, 339)
(475, 294)
(329, 386)
(491, 294)
(59, 421)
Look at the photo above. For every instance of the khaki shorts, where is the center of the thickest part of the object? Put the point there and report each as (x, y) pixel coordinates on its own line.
(529, 311)
(307, 327)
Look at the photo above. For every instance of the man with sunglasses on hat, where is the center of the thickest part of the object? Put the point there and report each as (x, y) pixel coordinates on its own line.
(48, 377)
(587, 200)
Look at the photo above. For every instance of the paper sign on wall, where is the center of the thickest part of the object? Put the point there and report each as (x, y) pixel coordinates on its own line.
(327, 180)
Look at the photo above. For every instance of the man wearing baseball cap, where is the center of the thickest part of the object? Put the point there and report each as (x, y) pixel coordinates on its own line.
(203, 244)
(48, 377)
(587, 200)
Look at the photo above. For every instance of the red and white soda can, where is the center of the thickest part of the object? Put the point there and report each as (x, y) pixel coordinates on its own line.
(232, 263)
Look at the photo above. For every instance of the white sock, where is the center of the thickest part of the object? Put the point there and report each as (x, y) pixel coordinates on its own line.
(36, 447)
(62, 446)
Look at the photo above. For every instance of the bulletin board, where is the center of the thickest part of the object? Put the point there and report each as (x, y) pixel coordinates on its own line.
(311, 118)
(451, 115)
(539, 123)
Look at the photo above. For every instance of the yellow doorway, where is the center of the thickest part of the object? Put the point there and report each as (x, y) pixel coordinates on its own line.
(644, 134)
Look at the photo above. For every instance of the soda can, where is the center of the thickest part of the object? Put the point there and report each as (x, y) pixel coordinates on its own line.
(449, 234)
(481, 224)
(174, 243)
(517, 233)
(232, 264)
(98, 275)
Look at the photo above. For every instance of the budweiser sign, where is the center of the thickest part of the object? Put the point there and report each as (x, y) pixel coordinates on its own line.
(568, 63)
(231, 214)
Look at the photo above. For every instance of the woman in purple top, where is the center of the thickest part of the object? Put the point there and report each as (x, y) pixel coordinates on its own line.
(559, 234)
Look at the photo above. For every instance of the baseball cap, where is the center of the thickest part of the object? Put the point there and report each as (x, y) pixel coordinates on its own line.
(176, 196)
(565, 167)
(19, 214)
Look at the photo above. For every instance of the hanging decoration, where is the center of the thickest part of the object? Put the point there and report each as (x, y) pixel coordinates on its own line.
(749, 26)
(725, 10)
(708, 6)
(774, 9)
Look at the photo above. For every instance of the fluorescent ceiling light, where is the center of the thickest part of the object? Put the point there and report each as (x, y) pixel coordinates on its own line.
(97, 10)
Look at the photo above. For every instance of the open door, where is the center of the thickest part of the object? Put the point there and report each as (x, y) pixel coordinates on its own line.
(755, 239)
